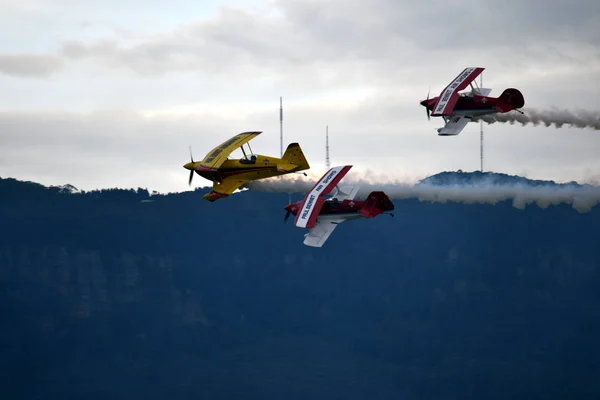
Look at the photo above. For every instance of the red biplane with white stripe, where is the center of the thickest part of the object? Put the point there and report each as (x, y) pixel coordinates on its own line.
(322, 215)
(457, 109)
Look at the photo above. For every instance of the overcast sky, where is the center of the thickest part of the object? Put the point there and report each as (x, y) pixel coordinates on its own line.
(111, 93)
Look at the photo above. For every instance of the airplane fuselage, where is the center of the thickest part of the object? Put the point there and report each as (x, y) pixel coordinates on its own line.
(244, 168)
(476, 105)
(345, 209)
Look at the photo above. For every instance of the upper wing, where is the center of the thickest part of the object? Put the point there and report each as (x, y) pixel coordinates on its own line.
(454, 126)
(321, 231)
(313, 200)
(449, 95)
(219, 154)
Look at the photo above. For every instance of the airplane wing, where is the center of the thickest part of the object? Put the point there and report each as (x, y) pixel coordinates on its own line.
(225, 188)
(219, 154)
(454, 126)
(449, 95)
(313, 200)
(319, 233)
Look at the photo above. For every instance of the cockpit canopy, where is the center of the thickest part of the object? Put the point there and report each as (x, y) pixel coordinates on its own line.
(248, 160)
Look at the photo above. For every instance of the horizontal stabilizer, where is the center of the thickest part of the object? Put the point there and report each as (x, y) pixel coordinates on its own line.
(286, 167)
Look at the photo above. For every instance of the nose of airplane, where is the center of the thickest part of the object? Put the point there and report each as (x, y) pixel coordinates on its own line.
(424, 103)
(189, 166)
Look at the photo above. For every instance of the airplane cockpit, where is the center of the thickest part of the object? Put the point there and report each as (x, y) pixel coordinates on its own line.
(248, 160)
(333, 201)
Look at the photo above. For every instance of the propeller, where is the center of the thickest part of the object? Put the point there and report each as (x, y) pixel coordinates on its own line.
(191, 170)
(426, 108)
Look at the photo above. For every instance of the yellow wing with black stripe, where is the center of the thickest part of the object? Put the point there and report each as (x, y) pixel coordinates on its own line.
(219, 154)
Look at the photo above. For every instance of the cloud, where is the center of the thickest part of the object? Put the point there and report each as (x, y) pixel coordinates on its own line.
(384, 45)
(30, 65)
(382, 35)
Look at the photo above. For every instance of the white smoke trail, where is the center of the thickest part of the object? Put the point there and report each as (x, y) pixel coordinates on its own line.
(556, 117)
(485, 191)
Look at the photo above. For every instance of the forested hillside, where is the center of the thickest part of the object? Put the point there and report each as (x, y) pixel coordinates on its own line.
(126, 294)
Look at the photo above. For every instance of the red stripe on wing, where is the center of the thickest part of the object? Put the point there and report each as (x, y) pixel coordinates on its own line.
(449, 95)
(315, 214)
(319, 191)
(336, 179)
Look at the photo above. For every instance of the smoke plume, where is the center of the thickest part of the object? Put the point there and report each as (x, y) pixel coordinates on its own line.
(556, 117)
(485, 191)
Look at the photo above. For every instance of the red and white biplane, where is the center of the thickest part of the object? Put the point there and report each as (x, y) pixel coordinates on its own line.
(322, 215)
(457, 109)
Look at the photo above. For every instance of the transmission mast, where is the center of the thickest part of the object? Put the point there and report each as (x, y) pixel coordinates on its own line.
(281, 126)
(481, 131)
(327, 162)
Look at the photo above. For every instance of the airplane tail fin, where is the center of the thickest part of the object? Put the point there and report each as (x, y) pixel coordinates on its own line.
(293, 159)
(376, 203)
(509, 100)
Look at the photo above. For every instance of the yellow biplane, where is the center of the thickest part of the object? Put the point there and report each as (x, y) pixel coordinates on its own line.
(228, 175)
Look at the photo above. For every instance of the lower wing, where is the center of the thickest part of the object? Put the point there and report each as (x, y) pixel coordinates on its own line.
(224, 189)
(454, 126)
(319, 234)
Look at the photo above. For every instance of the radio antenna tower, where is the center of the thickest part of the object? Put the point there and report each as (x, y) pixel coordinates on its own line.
(327, 163)
(481, 130)
(281, 126)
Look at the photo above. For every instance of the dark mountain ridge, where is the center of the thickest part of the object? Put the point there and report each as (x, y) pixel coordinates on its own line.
(125, 294)
(495, 178)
